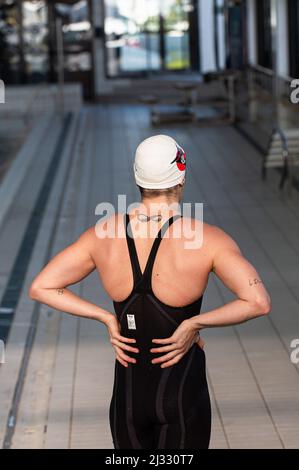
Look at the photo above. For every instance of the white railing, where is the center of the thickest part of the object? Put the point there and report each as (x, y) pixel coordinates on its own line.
(265, 78)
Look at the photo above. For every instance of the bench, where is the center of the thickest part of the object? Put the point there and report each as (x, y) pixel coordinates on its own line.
(282, 152)
(208, 100)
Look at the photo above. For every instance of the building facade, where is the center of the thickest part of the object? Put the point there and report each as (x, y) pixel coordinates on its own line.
(111, 42)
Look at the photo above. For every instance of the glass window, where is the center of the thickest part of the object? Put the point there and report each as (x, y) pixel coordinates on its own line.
(28, 41)
(35, 40)
(236, 36)
(10, 50)
(77, 43)
(264, 33)
(147, 36)
(293, 7)
(77, 35)
(176, 25)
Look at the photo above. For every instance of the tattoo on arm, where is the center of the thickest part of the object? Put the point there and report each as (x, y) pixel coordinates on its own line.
(254, 282)
(60, 291)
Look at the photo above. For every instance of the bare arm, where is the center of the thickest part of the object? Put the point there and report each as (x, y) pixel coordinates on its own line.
(68, 267)
(238, 275)
(242, 279)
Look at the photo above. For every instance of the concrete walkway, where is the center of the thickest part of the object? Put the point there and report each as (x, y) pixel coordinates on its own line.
(56, 385)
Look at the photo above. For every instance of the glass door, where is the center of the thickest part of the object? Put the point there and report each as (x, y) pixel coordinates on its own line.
(24, 41)
(175, 31)
(236, 34)
(77, 42)
(35, 40)
(148, 36)
(264, 33)
(293, 13)
(10, 42)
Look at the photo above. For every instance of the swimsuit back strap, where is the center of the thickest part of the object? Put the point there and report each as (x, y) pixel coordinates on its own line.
(142, 281)
(137, 274)
(147, 275)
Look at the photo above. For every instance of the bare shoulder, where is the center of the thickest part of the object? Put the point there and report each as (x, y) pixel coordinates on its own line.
(108, 227)
(216, 239)
(95, 239)
(102, 229)
(87, 238)
(213, 234)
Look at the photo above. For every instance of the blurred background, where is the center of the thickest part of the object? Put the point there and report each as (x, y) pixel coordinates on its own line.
(85, 82)
(121, 49)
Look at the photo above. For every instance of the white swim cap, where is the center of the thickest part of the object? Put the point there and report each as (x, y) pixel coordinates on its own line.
(160, 163)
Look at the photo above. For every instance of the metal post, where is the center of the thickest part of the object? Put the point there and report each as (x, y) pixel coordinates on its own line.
(228, 55)
(232, 98)
(60, 64)
(275, 87)
(216, 47)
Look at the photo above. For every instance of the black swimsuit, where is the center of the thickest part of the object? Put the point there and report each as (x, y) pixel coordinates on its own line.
(152, 407)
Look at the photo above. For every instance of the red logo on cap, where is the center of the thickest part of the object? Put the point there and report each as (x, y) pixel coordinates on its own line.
(180, 159)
